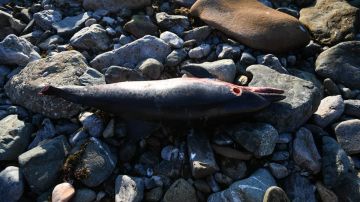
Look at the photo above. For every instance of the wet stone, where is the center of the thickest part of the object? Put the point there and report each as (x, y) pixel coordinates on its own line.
(173, 23)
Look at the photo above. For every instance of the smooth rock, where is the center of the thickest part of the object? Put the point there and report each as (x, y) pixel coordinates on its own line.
(249, 189)
(70, 25)
(180, 191)
(51, 42)
(173, 23)
(352, 108)
(200, 51)
(330, 109)
(133, 53)
(17, 51)
(140, 26)
(227, 51)
(61, 69)
(235, 169)
(258, 138)
(154, 195)
(91, 77)
(257, 26)
(275, 194)
(231, 153)
(330, 87)
(202, 159)
(116, 74)
(273, 62)
(279, 171)
(47, 131)
(46, 18)
(99, 162)
(198, 34)
(91, 38)
(172, 39)
(224, 70)
(305, 153)
(92, 123)
(14, 137)
(302, 98)
(62, 192)
(325, 21)
(348, 135)
(114, 5)
(11, 184)
(42, 165)
(129, 189)
(299, 188)
(325, 193)
(151, 68)
(341, 64)
(84, 195)
(9, 25)
(175, 57)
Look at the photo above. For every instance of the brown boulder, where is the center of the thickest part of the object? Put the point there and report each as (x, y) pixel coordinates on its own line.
(253, 24)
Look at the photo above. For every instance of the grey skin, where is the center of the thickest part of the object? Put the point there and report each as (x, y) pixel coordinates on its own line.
(171, 99)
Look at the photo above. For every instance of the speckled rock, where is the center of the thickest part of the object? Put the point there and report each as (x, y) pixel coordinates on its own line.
(91, 38)
(70, 25)
(302, 98)
(129, 189)
(348, 135)
(173, 23)
(330, 109)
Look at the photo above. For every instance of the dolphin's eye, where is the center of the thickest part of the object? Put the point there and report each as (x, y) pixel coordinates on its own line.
(236, 91)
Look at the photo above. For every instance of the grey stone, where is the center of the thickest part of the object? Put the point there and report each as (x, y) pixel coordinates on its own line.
(133, 53)
(115, 5)
(200, 51)
(202, 159)
(172, 39)
(151, 68)
(325, 21)
(98, 160)
(92, 38)
(33, 37)
(129, 189)
(70, 25)
(250, 189)
(154, 195)
(330, 87)
(116, 74)
(180, 191)
(198, 34)
(140, 26)
(227, 51)
(84, 195)
(11, 184)
(341, 64)
(169, 153)
(247, 59)
(224, 70)
(92, 123)
(330, 109)
(173, 23)
(91, 77)
(42, 165)
(273, 62)
(235, 169)
(305, 152)
(14, 137)
(302, 98)
(352, 108)
(61, 69)
(275, 193)
(280, 156)
(47, 131)
(258, 138)
(348, 135)
(46, 18)
(17, 51)
(125, 39)
(175, 57)
(279, 171)
(9, 25)
(299, 188)
(51, 41)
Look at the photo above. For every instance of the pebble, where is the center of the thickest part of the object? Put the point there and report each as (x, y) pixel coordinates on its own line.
(329, 110)
(275, 194)
(14, 137)
(305, 152)
(172, 39)
(169, 153)
(199, 34)
(92, 37)
(180, 191)
(258, 138)
(90, 22)
(330, 87)
(352, 108)
(201, 156)
(11, 184)
(348, 135)
(84, 195)
(129, 189)
(175, 57)
(280, 156)
(154, 195)
(62, 192)
(116, 74)
(173, 23)
(299, 188)
(325, 193)
(284, 138)
(273, 62)
(231, 153)
(78, 136)
(279, 171)
(151, 68)
(92, 123)
(47, 131)
(235, 169)
(69, 25)
(200, 51)
(140, 26)
(226, 51)
(46, 18)
(125, 39)
(50, 156)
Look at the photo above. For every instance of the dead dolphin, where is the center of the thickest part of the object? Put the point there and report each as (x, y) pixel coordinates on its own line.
(171, 99)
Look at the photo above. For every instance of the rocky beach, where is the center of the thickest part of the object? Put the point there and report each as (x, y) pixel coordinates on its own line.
(127, 100)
